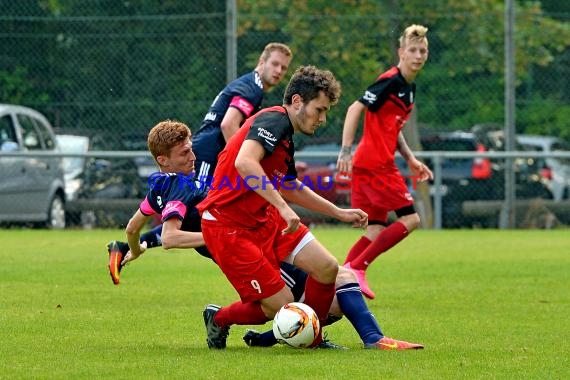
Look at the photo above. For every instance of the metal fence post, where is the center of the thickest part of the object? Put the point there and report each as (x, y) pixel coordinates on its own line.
(508, 216)
(231, 40)
(437, 209)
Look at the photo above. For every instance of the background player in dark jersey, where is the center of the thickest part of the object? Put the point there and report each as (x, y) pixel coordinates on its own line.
(246, 210)
(236, 102)
(377, 185)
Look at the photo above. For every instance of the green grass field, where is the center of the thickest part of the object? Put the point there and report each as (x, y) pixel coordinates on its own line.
(486, 304)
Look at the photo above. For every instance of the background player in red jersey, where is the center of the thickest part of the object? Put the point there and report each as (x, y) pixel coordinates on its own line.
(247, 224)
(377, 185)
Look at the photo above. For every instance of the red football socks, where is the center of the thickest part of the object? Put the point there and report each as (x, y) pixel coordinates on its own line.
(319, 296)
(239, 313)
(357, 249)
(388, 238)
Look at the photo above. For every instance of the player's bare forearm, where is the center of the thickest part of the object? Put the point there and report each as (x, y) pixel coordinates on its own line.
(133, 231)
(174, 237)
(351, 121)
(231, 122)
(403, 148)
(182, 239)
(344, 161)
(303, 196)
(307, 198)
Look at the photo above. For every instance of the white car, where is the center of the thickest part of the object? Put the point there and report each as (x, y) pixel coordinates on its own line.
(32, 189)
(557, 170)
(73, 167)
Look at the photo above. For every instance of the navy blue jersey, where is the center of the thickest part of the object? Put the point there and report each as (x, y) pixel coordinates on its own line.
(245, 94)
(173, 195)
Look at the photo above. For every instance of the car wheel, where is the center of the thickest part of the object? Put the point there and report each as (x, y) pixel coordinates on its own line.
(56, 215)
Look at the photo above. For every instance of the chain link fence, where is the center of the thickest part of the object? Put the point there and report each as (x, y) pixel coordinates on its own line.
(111, 70)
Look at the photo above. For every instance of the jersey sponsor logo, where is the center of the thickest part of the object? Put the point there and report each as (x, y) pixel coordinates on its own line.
(369, 97)
(267, 136)
(258, 80)
(210, 116)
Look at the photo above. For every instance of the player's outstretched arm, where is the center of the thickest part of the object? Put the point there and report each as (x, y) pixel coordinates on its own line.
(174, 237)
(305, 197)
(133, 232)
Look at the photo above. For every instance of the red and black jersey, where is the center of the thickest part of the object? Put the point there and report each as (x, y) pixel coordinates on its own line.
(389, 102)
(230, 199)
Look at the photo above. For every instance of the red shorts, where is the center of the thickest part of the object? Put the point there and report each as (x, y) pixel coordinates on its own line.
(379, 192)
(250, 258)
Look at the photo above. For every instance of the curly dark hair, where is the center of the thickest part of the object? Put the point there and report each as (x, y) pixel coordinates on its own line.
(308, 81)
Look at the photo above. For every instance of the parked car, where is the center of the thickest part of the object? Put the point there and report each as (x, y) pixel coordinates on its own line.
(555, 171)
(462, 178)
(98, 182)
(73, 167)
(144, 166)
(32, 189)
(479, 178)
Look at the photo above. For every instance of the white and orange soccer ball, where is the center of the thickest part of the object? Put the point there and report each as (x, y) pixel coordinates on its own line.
(296, 325)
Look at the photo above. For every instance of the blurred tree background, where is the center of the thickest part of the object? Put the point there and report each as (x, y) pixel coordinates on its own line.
(117, 67)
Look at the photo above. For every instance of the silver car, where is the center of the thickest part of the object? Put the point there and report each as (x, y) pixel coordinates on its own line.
(32, 188)
(557, 170)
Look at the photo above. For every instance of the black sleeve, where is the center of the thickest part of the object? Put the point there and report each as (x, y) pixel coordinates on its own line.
(377, 93)
(269, 129)
(291, 171)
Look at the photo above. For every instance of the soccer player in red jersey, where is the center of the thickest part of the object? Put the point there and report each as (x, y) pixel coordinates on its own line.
(247, 223)
(377, 186)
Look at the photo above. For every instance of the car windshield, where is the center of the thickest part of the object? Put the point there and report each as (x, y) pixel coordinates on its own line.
(73, 144)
